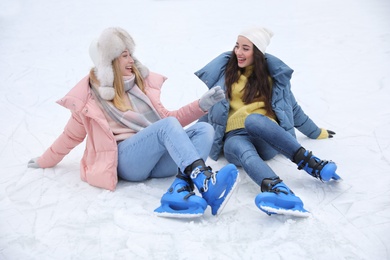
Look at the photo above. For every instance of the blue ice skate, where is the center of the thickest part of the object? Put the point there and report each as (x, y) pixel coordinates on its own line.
(277, 198)
(216, 188)
(323, 170)
(181, 202)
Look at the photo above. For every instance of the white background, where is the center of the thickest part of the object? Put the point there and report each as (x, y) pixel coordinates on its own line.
(340, 52)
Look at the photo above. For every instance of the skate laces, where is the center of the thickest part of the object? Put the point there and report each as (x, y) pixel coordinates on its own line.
(207, 171)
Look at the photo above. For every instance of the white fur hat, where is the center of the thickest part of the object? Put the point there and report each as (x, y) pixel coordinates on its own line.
(111, 43)
(259, 36)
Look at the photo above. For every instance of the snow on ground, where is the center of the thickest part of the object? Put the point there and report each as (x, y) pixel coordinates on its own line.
(340, 51)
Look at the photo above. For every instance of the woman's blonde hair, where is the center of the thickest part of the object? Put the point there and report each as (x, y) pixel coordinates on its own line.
(118, 84)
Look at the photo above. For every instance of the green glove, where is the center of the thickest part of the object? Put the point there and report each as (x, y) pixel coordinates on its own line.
(326, 134)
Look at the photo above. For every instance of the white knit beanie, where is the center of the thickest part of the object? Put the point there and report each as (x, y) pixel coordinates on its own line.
(259, 36)
(111, 43)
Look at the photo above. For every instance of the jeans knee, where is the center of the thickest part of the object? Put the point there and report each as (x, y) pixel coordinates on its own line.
(170, 123)
(170, 120)
(239, 150)
(247, 155)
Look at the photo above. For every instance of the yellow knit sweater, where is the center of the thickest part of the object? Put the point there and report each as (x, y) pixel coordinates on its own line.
(238, 109)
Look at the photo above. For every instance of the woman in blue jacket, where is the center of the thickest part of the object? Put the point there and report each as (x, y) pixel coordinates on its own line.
(258, 118)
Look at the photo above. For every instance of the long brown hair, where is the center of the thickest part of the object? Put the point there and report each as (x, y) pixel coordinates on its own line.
(258, 87)
(118, 84)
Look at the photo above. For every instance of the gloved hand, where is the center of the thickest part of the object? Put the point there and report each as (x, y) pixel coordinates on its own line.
(211, 97)
(326, 134)
(33, 163)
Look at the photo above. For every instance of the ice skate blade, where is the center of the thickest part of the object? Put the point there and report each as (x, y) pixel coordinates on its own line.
(336, 178)
(289, 212)
(168, 212)
(177, 215)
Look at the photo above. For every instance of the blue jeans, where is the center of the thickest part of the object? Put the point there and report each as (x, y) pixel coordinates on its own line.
(260, 140)
(161, 148)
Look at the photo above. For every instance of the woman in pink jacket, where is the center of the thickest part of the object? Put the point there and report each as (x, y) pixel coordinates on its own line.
(131, 135)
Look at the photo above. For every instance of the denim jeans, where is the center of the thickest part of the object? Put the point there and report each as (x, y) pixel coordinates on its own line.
(260, 140)
(161, 148)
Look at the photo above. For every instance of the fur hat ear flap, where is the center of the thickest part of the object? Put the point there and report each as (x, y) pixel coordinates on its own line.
(105, 74)
(107, 93)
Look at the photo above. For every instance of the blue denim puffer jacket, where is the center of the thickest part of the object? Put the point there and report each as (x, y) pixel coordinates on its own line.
(289, 114)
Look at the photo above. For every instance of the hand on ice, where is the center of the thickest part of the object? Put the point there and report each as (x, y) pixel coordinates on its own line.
(33, 163)
(326, 134)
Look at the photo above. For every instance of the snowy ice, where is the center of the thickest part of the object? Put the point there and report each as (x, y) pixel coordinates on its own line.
(340, 53)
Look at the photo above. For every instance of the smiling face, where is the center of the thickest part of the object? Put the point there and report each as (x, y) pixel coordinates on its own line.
(126, 63)
(244, 52)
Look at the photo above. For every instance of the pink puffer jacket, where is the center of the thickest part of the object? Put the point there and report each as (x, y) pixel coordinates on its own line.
(99, 162)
